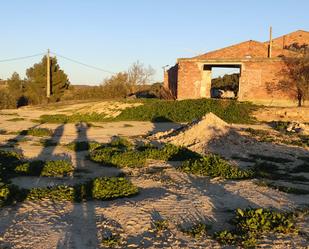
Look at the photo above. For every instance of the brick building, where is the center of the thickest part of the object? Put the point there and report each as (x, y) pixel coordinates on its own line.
(259, 63)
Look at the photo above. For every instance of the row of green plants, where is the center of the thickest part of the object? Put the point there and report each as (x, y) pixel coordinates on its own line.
(103, 188)
(172, 111)
(38, 132)
(74, 118)
(56, 168)
(215, 166)
(121, 153)
(251, 224)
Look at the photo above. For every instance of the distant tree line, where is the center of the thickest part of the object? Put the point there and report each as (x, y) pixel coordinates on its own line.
(32, 89)
(229, 82)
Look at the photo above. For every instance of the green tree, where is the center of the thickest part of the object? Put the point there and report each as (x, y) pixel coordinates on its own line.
(36, 81)
(15, 85)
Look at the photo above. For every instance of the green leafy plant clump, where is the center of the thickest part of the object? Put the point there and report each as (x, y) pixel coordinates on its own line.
(50, 168)
(163, 110)
(110, 188)
(250, 224)
(104, 188)
(83, 145)
(38, 132)
(74, 118)
(214, 166)
(188, 110)
(122, 154)
(197, 231)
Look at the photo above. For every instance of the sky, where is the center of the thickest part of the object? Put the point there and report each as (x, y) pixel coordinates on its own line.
(113, 34)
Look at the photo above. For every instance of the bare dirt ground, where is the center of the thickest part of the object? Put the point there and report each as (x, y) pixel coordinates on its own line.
(165, 193)
(296, 114)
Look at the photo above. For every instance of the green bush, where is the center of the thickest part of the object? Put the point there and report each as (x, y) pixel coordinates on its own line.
(197, 231)
(114, 187)
(188, 110)
(49, 168)
(121, 143)
(10, 193)
(170, 152)
(162, 110)
(103, 188)
(250, 224)
(122, 154)
(58, 193)
(8, 161)
(83, 145)
(214, 166)
(38, 132)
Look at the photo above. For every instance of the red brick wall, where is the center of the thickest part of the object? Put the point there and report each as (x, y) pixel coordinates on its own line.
(255, 77)
(171, 80)
(189, 80)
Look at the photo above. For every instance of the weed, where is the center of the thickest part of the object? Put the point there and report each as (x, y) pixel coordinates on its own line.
(251, 224)
(161, 110)
(214, 166)
(120, 153)
(110, 188)
(38, 132)
(83, 145)
(49, 168)
(160, 225)
(74, 118)
(111, 241)
(197, 231)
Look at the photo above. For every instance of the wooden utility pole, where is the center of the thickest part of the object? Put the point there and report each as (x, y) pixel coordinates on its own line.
(270, 42)
(48, 87)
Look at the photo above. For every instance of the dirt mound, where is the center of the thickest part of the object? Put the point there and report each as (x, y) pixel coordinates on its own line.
(199, 132)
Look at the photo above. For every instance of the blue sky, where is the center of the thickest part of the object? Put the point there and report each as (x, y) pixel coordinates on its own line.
(114, 34)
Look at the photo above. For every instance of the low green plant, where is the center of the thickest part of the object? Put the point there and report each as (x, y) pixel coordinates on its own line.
(170, 152)
(172, 111)
(214, 166)
(74, 118)
(57, 193)
(160, 225)
(50, 168)
(103, 188)
(10, 193)
(38, 132)
(121, 142)
(251, 224)
(8, 161)
(197, 231)
(122, 154)
(111, 241)
(83, 145)
(48, 142)
(114, 187)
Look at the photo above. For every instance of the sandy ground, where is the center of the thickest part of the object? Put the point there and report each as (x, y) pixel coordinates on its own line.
(166, 193)
(296, 114)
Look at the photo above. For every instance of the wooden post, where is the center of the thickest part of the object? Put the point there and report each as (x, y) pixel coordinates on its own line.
(270, 42)
(48, 87)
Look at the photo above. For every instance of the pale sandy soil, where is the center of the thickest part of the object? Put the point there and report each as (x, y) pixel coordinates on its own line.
(296, 114)
(164, 193)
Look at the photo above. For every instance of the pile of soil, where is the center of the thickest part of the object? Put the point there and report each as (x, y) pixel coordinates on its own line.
(204, 135)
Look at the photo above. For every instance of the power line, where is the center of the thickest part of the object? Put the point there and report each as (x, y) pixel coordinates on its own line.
(83, 64)
(21, 58)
